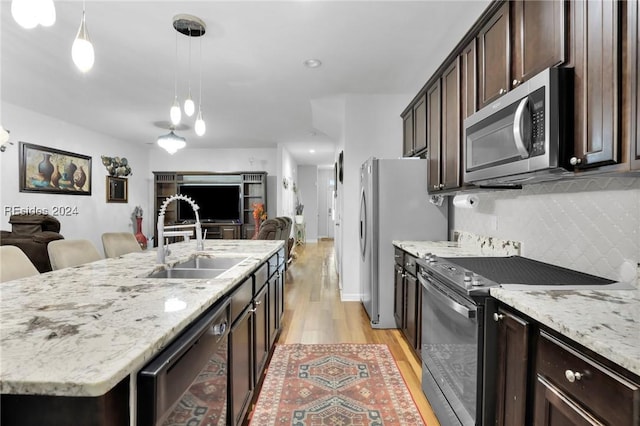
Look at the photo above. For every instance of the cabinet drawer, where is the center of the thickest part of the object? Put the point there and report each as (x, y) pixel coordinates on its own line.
(240, 298)
(598, 389)
(261, 275)
(399, 257)
(410, 264)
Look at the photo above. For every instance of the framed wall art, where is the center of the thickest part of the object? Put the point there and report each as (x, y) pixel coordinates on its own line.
(117, 190)
(48, 170)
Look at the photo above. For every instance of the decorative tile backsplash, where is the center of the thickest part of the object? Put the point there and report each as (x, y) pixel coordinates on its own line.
(591, 225)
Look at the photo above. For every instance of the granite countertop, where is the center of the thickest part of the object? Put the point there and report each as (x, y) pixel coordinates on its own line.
(80, 331)
(605, 321)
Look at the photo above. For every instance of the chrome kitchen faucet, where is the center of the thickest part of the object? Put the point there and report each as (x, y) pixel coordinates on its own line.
(164, 250)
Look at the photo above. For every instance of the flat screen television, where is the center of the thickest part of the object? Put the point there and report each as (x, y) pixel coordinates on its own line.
(218, 203)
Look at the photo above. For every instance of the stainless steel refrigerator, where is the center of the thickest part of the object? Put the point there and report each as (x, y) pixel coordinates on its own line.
(394, 205)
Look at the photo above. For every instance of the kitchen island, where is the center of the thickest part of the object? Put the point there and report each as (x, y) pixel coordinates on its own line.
(83, 331)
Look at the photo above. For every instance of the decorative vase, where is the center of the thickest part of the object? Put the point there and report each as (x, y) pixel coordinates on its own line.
(79, 178)
(69, 170)
(55, 177)
(142, 240)
(45, 167)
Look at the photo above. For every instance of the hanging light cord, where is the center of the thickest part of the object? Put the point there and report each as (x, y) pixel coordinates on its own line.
(175, 70)
(200, 95)
(189, 76)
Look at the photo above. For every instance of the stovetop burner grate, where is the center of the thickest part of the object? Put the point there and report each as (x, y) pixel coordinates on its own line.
(520, 270)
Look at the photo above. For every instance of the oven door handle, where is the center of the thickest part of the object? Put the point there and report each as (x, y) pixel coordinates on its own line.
(445, 299)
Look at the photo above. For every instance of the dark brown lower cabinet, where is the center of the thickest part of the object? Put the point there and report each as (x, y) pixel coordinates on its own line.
(398, 298)
(512, 368)
(241, 365)
(273, 308)
(261, 332)
(574, 389)
(413, 299)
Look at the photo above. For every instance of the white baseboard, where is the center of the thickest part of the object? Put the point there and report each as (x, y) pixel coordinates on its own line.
(350, 297)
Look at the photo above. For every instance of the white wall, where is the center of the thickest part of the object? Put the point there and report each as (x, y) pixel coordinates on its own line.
(95, 215)
(373, 127)
(288, 170)
(308, 195)
(590, 225)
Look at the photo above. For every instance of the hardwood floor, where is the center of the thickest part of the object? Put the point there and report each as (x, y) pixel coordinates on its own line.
(315, 314)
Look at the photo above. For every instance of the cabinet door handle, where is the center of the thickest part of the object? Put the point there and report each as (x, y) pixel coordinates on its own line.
(502, 91)
(572, 376)
(258, 302)
(252, 311)
(515, 82)
(497, 317)
(441, 186)
(574, 161)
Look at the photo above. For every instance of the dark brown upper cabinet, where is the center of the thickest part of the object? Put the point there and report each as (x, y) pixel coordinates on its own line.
(420, 125)
(521, 39)
(451, 126)
(494, 57)
(444, 130)
(407, 133)
(595, 48)
(414, 121)
(538, 37)
(469, 79)
(434, 152)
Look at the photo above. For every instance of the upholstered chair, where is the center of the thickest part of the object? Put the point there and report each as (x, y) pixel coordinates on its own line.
(31, 233)
(15, 264)
(269, 229)
(118, 243)
(68, 253)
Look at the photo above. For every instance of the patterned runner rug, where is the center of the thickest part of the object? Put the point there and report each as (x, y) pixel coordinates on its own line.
(343, 384)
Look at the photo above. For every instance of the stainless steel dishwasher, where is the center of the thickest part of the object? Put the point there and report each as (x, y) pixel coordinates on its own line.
(187, 381)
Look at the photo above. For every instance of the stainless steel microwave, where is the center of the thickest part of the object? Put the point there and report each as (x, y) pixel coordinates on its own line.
(525, 136)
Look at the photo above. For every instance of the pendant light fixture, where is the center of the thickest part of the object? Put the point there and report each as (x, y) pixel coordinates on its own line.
(191, 26)
(200, 126)
(31, 13)
(82, 51)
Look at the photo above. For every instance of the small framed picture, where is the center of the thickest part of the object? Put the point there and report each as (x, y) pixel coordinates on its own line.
(117, 190)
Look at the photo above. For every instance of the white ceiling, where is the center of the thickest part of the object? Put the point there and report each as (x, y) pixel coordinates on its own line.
(255, 90)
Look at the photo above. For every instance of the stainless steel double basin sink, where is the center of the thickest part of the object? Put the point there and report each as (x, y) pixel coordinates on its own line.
(199, 267)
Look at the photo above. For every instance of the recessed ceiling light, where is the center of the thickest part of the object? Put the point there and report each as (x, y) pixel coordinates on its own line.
(312, 63)
(312, 151)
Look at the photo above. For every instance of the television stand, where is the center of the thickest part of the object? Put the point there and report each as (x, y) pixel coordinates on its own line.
(224, 231)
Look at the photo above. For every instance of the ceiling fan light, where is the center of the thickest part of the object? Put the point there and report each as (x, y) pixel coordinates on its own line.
(46, 13)
(82, 51)
(171, 142)
(174, 112)
(200, 126)
(189, 105)
(24, 13)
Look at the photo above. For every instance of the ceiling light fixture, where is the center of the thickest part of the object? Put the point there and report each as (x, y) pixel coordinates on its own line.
(191, 26)
(312, 63)
(82, 51)
(29, 13)
(171, 142)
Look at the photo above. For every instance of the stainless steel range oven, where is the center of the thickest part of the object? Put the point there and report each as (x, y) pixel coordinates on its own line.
(459, 344)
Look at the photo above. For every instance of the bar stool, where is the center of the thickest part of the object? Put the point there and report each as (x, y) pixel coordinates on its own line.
(15, 264)
(68, 253)
(118, 243)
